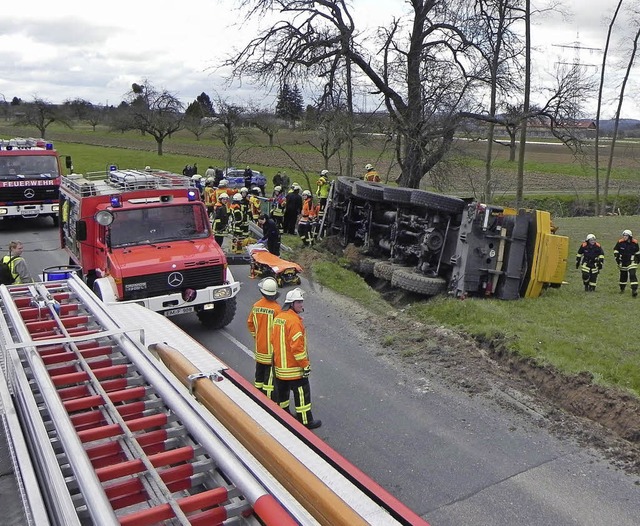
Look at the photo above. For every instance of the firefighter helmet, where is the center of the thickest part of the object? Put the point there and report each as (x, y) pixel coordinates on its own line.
(306, 193)
(268, 286)
(296, 294)
(324, 172)
(255, 190)
(627, 233)
(277, 189)
(590, 237)
(223, 195)
(237, 197)
(368, 167)
(223, 182)
(209, 180)
(196, 177)
(244, 189)
(296, 186)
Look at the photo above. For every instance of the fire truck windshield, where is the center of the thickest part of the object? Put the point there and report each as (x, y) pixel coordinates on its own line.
(29, 167)
(143, 226)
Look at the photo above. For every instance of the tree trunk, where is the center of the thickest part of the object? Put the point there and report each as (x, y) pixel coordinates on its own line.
(597, 142)
(159, 141)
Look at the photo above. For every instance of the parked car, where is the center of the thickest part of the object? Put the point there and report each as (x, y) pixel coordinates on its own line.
(235, 178)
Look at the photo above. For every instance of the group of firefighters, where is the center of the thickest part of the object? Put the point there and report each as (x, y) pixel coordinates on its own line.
(293, 210)
(590, 259)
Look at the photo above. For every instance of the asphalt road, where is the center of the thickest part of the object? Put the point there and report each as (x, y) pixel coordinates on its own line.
(454, 459)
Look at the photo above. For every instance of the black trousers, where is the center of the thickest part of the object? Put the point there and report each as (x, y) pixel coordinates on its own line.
(301, 397)
(264, 378)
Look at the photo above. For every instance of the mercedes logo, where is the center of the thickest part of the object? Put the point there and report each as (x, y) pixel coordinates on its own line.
(29, 193)
(175, 279)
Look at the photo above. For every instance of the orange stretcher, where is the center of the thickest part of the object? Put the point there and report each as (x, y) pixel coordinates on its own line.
(265, 264)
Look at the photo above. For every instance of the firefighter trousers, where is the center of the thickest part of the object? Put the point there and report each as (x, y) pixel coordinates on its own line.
(264, 379)
(301, 397)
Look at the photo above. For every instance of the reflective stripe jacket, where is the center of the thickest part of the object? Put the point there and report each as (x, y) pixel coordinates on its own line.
(260, 324)
(289, 341)
(18, 268)
(590, 255)
(626, 252)
(322, 190)
(372, 176)
(309, 211)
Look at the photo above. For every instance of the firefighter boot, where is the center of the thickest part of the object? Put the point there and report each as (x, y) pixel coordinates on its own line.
(586, 287)
(592, 288)
(622, 287)
(634, 291)
(311, 423)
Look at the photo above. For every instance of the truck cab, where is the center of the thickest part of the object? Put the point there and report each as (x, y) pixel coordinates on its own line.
(145, 237)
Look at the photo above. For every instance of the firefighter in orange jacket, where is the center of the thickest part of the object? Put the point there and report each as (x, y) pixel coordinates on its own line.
(308, 219)
(260, 323)
(291, 360)
(371, 174)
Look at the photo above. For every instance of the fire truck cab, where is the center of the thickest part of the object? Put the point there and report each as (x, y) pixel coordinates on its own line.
(30, 173)
(143, 236)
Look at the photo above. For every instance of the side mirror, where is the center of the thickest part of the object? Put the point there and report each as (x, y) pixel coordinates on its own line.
(67, 162)
(81, 230)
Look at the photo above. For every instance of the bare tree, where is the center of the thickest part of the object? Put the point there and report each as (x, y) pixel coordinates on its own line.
(41, 114)
(228, 128)
(265, 121)
(421, 69)
(156, 112)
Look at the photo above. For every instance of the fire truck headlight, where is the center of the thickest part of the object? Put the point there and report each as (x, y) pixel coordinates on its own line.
(3, 211)
(222, 293)
(55, 208)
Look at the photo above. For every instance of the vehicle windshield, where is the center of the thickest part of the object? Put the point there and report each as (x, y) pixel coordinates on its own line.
(144, 226)
(42, 166)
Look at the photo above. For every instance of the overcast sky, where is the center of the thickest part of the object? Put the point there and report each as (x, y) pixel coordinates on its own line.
(95, 51)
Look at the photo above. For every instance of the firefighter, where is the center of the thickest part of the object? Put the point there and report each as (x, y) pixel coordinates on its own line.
(16, 263)
(589, 259)
(209, 195)
(222, 189)
(270, 234)
(277, 206)
(237, 219)
(260, 324)
(322, 191)
(246, 210)
(627, 254)
(221, 218)
(255, 206)
(371, 174)
(308, 219)
(291, 359)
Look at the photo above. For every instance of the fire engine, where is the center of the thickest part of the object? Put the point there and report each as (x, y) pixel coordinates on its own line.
(30, 173)
(111, 415)
(144, 236)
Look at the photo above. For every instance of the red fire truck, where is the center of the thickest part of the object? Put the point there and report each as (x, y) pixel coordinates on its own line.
(30, 173)
(143, 236)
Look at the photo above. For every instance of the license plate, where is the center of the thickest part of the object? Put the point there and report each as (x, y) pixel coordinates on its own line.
(29, 213)
(175, 312)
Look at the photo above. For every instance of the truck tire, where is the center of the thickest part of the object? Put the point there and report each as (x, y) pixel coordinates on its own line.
(56, 219)
(368, 190)
(385, 269)
(220, 316)
(397, 195)
(439, 202)
(413, 281)
(365, 266)
(344, 185)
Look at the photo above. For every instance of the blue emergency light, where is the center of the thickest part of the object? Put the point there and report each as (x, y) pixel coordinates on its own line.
(113, 167)
(192, 195)
(115, 201)
(49, 146)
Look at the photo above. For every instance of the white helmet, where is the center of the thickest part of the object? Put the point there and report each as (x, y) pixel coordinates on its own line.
(324, 172)
(590, 237)
(368, 167)
(296, 186)
(296, 294)
(306, 193)
(223, 195)
(255, 190)
(268, 286)
(627, 233)
(209, 180)
(147, 168)
(223, 182)
(277, 189)
(196, 177)
(244, 189)
(237, 197)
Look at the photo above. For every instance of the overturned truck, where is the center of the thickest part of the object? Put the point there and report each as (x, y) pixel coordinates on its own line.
(430, 243)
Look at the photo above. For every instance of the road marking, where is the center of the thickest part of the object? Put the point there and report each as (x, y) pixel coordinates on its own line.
(241, 346)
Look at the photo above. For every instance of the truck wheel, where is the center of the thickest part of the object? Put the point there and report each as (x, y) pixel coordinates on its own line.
(56, 220)
(220, 316)
(439, 202)
(366, 266)
(413, 281)
(385, 270)
(368, 190)
(397, 195)
(344, 185)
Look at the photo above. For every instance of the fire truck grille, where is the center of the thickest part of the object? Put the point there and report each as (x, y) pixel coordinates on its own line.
(23, 194)
(138, 287)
